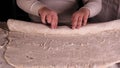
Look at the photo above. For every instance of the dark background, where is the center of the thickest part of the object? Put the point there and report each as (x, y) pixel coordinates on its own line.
(9, 9)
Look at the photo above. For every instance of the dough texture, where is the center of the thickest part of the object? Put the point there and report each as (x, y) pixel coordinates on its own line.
(59, 51)
(31, 27)
(3, 39)
(38, 46)
(3, 43)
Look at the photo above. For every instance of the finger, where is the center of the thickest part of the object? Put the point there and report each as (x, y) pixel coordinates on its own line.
(54, 22)
(74, 22)
(73, 16)
(49, 18)
(43, 18)
(85, 18)
(79, 23)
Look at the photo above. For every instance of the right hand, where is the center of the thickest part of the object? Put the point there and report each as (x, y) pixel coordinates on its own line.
(48, 16)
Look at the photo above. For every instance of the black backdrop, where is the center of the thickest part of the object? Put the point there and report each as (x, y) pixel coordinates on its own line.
(9, 9)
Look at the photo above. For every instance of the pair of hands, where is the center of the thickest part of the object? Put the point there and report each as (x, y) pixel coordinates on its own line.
(78, 19)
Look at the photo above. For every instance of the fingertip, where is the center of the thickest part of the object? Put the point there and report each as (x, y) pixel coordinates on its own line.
(43, 22)
(78, 27)
(49, 18)
(52, 27)
(55, 26)
(54, 23)
(85, 22)
(74, 23)
(73, 27)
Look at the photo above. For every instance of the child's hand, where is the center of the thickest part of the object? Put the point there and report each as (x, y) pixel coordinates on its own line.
(80, 18)
(49, 16)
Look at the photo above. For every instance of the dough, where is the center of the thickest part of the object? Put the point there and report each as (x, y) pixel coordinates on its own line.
(3, 63)
(38, 46)
(3, 43)
(31, 27)
(3, 39)
(98, 50)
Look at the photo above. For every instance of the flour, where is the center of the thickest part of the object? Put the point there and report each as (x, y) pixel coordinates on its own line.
(29, 51)
(31, 27)
(3, 43)
(38, 46)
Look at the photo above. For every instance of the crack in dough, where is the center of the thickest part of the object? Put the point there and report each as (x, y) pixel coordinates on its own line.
(3, 43)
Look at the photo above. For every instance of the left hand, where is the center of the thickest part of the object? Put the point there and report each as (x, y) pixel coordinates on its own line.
(80, 18)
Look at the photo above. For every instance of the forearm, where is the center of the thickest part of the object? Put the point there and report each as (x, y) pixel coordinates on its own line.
(30, 6)
(94, 7)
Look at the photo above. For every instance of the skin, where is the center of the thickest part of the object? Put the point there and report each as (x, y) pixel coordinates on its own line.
(49, 16)
(78, 19)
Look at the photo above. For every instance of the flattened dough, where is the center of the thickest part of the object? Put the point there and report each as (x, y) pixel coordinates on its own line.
(30, 27)
(3, 39)
(3, 43)
(98, 50)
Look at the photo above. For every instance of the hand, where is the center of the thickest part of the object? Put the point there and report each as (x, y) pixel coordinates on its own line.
(80, 18)
(48, 16)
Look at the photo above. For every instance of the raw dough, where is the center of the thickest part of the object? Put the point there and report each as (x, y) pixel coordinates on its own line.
(98, 50)
(30, 27)
(38, 46)
(3, 43)
(3, 39)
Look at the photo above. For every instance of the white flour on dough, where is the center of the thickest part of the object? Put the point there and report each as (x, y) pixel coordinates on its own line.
(98, 50)
(3, 43)
(3, 39)
(38, 46)
(31, 27)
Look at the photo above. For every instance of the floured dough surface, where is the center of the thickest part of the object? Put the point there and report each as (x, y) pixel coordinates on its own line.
(31, 27)
(3, 39)
(3, 43)
(61, 51)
